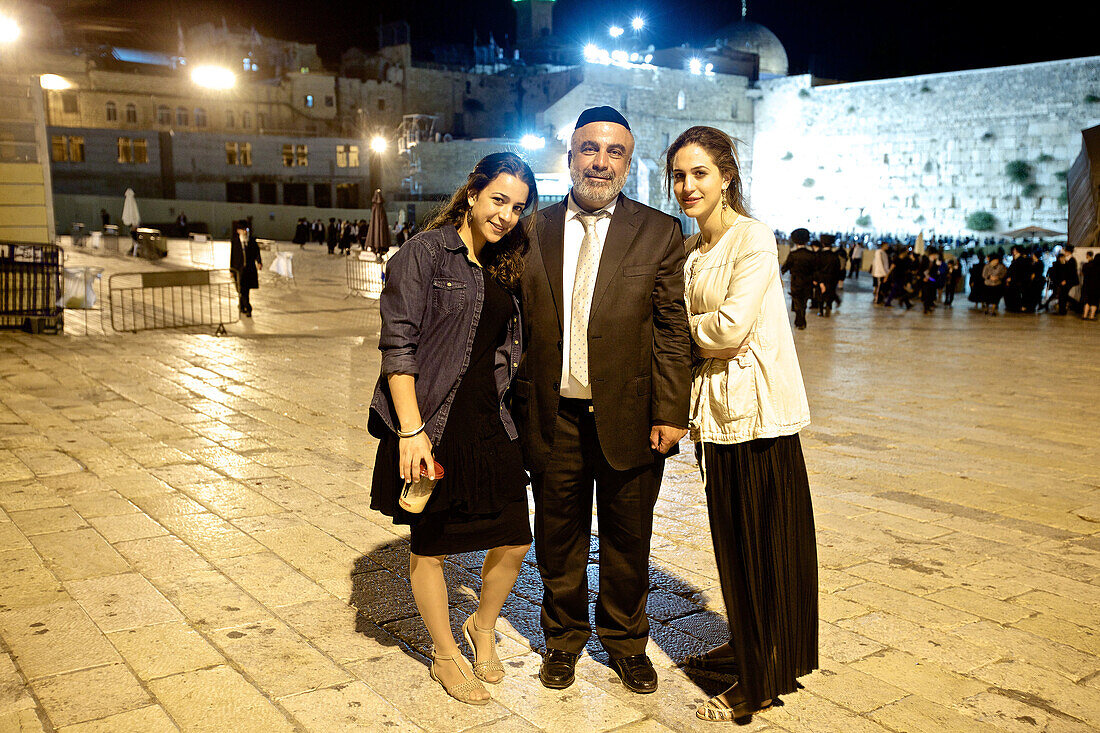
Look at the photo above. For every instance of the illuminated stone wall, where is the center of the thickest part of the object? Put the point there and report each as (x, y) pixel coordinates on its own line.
(921, 152)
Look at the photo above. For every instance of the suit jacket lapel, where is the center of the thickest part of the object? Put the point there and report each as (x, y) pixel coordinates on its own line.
(551, 239)
(620, 235)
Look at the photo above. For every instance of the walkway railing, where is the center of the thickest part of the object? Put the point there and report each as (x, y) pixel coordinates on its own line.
(145, 301)
(30, 287)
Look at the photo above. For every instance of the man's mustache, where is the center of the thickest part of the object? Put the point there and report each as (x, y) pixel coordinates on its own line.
(602, 176)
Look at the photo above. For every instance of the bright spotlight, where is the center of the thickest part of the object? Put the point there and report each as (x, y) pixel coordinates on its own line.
(709, 69)
(615, 31)
(532, 142)
(696, 66)
(9, 29)
(638, 23)
(378, 144)
(213, 77)
(648, 57)
(54, 82)
(619, 57)
(635, 58)
(591, 52)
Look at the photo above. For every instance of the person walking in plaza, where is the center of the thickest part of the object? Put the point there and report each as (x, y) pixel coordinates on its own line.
(748, 404)
(332, 236)
(801, 264)
(451, 344)
(880, 266)
(1065, 278)
(1090, 286)
(601, 398)
(993, 278)
(951, 277)
(830, 271)
(244, 261)
(856, 260)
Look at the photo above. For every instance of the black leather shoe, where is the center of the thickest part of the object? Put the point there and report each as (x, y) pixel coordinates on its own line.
(637, 673)
(557, 670)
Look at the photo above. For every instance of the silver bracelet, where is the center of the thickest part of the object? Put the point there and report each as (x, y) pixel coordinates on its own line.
(411, 434)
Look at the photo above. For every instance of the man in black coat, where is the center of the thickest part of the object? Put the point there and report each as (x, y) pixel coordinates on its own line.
(601, 397)
(827, 274)
(1065, 277)
(244, 261)
(801, 263)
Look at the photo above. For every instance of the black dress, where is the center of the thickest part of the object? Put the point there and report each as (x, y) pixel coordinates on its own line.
(481, 502)
(762, 525)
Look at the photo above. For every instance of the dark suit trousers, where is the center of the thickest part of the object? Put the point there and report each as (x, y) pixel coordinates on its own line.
(563, 525)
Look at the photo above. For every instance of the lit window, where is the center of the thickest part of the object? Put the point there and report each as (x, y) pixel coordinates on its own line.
(231, 153)
(288, 155)
(112, 112)
(141, 151)
(246, 154)
(347, 156)
(131, 114)
(200, 117)
(164, 115)
(309, 100)
(125, 150)
(181, 116)
(76, 149)
(60, 151)
(247, 63)
(301, 155)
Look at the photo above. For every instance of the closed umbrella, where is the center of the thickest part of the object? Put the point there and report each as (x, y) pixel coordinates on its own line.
(378, 234)
(131, 217)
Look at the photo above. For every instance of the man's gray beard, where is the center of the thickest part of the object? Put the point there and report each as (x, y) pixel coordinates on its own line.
(597, 192)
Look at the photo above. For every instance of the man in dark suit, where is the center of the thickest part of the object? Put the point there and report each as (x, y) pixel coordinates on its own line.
(601, 397)
(802, 264)
(829, 273)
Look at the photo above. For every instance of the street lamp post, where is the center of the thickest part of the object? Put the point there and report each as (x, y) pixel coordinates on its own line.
(378, 147)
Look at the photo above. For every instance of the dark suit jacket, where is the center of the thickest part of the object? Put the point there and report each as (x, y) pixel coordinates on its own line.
(639, 348)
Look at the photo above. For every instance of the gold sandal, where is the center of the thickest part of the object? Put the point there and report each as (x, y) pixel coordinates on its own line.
(461, 691)
(483, 669)
(717, 710)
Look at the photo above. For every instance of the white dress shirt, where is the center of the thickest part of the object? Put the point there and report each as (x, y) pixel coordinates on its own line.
(574, 235)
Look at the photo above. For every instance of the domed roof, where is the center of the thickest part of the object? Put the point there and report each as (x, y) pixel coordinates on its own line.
(754, 38)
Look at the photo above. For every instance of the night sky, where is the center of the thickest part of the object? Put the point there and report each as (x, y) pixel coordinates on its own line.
(852, 40)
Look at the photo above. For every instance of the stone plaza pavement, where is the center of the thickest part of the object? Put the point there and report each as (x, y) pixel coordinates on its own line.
(186, 539)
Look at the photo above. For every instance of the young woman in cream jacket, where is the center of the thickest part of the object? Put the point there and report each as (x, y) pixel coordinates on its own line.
(748, 403)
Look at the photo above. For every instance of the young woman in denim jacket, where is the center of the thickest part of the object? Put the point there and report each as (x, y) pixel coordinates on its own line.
(450, 347)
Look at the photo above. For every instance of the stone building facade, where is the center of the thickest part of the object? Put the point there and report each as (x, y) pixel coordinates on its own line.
(922, 152)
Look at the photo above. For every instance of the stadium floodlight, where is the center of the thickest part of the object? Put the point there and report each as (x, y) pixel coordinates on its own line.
(648, 57)
(9, 30)
(638, 23)
(213, 77)
(378, 144)
(615, 31)
(591, 52)
(695, 66)
(54, 82)
(532, 142)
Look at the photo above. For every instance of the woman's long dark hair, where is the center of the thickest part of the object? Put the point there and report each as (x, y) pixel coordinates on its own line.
(722, 150)
(503, 260)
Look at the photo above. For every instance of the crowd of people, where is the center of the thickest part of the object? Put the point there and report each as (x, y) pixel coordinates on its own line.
(1030, 278)
(343, 234)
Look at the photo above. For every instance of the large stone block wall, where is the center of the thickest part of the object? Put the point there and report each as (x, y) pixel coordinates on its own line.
(921, 152)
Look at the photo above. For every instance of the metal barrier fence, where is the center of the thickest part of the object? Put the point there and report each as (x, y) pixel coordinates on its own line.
(365, 277)
(30, 287)
(145, 301)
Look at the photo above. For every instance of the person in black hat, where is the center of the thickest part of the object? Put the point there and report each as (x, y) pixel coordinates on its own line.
(601, 397)
(828, 275)
(801, 263)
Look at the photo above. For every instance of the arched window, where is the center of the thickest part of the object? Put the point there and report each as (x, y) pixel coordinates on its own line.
(131, 114)
(246, 119)
(112, 112)
(229, 121)
(182, 116)
(164, 115)
(681, 100)
(200, 117)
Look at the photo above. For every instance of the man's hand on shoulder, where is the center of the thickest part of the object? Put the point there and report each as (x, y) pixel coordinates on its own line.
(662, 437)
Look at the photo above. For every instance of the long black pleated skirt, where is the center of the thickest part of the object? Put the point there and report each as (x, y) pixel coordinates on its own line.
(762, 524)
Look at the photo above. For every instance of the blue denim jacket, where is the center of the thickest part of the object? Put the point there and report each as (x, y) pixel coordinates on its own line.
(431, 305)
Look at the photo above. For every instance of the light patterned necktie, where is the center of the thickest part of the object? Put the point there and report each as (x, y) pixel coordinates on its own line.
(588, 264)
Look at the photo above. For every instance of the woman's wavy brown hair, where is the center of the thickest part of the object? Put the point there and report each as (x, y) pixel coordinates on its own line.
(722, 150)
(503, 260)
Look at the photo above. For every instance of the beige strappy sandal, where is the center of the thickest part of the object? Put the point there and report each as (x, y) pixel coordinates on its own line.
(483, 670)
(717, 710)
(461, 691)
